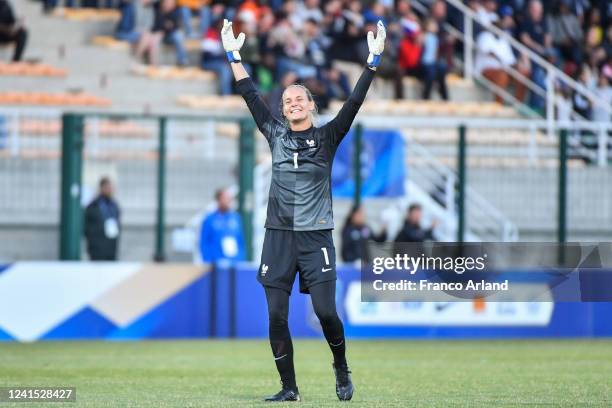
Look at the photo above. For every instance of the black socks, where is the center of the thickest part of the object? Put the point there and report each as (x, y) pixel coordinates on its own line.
(323, 298)
(338, 349)
(323, 302)
(280, 339)
(282, 349)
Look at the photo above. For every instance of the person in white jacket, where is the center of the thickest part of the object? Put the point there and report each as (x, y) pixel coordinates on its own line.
(494, 57)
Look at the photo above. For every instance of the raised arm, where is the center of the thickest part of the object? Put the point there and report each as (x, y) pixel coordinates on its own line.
(239, 72)
(259, 109)
(232, 47)
(246, 88)
(341, 124)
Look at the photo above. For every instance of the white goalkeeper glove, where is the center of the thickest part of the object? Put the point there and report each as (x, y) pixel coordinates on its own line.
(231, 44)
(376, 45)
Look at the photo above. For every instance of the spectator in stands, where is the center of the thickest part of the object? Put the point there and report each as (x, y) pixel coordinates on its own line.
(12, 30)
(145, 15)
(254, 8)
(412, 231)
(250, 51)
(356, 234)
(187, 8)
(317, 45)
(433, 67)
(309, 10)
(594, 28)
(168, 14)
(49, 5)
(374, 13)
(126, 26)
(409, 55)
(534, 34)
(494, 58)
(581, 104)
(563, 103)
(345, 26)
(221, 9)
(165, 28)
(265, 74)
(607, 44)
(606, 68)
(103, 224)
(604, 93)
(290, 9)
(486, 12)
(255, 19)
(221, 236)
(289, 49)
(317, 55)
(214, 59)
(446, 40)
(319, 92)
(98, 3)
(517, 7)
(566, 33)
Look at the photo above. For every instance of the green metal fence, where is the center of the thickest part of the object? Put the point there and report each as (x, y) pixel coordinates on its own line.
(505, 179)
(508, 179)
(494, 183)
(166, 169)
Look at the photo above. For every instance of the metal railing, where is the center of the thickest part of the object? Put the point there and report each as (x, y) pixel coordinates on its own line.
(433, 176)
(513, 165)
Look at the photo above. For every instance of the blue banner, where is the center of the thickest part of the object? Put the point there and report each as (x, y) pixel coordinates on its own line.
(79, 302)
(382, 165)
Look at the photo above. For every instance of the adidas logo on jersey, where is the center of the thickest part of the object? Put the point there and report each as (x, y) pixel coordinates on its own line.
(310, 143)
(264, 269)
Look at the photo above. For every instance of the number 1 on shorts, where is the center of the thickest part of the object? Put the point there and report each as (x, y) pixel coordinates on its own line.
(325, 255)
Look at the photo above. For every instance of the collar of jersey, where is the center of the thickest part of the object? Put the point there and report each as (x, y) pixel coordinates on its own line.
(301, 133)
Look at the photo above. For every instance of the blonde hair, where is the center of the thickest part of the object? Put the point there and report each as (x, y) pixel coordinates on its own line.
(313, 113)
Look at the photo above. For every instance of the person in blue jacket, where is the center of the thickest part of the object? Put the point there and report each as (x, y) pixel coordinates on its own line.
(221, 235)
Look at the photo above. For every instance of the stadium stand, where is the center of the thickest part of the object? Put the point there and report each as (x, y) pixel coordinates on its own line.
(173, 73)
(84, 55)
(87, 14)
(51, 99)
(30, 69)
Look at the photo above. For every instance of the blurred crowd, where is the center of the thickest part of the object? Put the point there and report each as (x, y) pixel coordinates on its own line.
(298, 40)
(573, 35)
(357, 234)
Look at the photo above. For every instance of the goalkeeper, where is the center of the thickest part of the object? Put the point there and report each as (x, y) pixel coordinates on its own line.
(299, 218)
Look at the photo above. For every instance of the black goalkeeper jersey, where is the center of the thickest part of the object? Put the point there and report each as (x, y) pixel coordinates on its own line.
(300, 191)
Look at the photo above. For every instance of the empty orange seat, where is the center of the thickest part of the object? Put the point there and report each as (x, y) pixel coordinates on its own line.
(30, 69)
(52, 99)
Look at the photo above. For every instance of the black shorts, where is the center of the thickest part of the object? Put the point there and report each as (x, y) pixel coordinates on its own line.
(311, 253)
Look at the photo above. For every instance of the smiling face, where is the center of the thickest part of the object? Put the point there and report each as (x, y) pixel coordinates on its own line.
(297, 106)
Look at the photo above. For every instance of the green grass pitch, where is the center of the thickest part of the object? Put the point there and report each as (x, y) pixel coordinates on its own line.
(567, 373)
